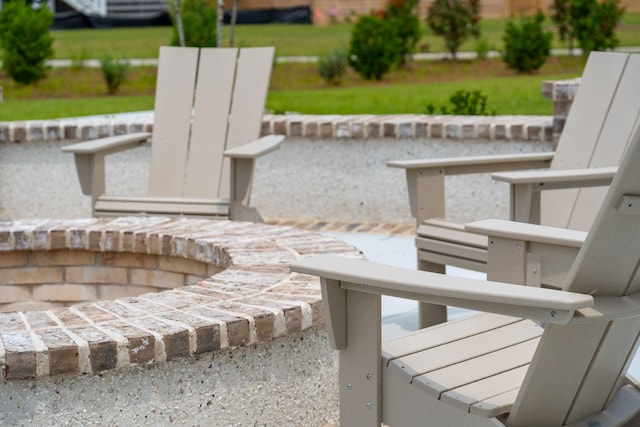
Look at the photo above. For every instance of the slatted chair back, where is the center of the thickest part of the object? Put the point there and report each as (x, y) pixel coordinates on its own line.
(578, 367)
(594, 135)
(198, 94)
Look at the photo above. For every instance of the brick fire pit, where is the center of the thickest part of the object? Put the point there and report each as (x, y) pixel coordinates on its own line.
(92, 306)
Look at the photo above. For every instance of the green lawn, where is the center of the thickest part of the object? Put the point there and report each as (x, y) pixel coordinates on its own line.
(288, 39)
(514, 95)
(29, 109)
(297, 88)
(294, 87)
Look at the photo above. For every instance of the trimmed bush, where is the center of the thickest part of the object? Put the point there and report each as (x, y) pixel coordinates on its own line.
(199, 22)
(114, 72)
(332, 66)
(455, 21)
(482, 49)
(594, 23)
(403, 17)
(25, 41)
(464, 103)
(374, 47)
(527, 46)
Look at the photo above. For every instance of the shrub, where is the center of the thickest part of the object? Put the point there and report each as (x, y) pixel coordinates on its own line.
(78, 60)
(591, 22)
(25, 40)
(527, 46)
(199, 22)
(455, 21)
(482, 49)
(560, 17)
(332, 66)
(374, 47)
(464, 103)
(114, 72)
(403, 18)
(594, 23)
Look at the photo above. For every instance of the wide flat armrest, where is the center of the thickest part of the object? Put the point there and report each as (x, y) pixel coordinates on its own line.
(256, 148)
(556, 179)
(89, 159)
(426, 178)
(528, 232)
(547, 305)
(110, 144)
(477, 164)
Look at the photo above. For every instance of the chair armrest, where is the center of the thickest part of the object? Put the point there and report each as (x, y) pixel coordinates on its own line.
(425, 178)
(478, 164)
(547, 305)
(242, 167)
(89, 159)
(525, 187)
(559, 179)
(108, 145)
(527, 232)
(256, 148)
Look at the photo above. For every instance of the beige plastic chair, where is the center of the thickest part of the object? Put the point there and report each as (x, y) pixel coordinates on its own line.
(209, 104)
(600, 121)
(564, 367)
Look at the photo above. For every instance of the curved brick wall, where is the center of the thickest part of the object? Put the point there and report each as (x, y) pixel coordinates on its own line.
(360, 126)
(245, 295)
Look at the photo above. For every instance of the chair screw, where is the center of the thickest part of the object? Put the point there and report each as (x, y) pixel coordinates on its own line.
(349, 386)
(369, 377)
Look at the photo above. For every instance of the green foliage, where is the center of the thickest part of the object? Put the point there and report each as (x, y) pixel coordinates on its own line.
(527, 46)
(455, 21)
(560, 17)
(332, 66)
(464, 103)
(199, 22)
(114, 72)
(482, 48)
(78, 59)
(25, 41)
(594, 23)
(403, 17)
(374, 47)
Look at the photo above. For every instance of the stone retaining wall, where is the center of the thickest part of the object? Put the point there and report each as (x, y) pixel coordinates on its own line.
(518, 128)
(222, 286)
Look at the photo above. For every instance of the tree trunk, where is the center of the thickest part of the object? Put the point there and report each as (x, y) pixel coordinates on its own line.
(179, 25)
(234, 16)
(220, 22)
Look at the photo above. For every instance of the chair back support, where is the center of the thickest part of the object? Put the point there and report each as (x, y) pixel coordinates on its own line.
(198, 92)
(213, 92)
(253, 75)
(621, 121)
(582, 132)
(177, 72)
(578, 367)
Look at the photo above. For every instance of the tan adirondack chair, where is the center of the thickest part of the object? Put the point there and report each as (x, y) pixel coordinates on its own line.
(209, 104)
(601, 119)
(564, 367)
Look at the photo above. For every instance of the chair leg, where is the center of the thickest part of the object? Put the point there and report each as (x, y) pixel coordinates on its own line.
(360, 362)
(240, 212)
(431, 314)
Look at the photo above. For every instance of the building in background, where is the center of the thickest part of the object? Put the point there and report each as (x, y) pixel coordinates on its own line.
(111, 13)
